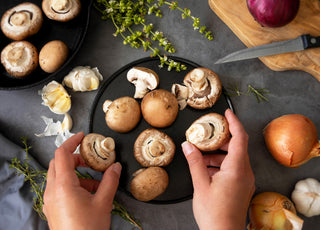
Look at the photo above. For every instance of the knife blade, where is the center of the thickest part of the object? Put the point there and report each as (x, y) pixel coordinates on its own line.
(302, 42)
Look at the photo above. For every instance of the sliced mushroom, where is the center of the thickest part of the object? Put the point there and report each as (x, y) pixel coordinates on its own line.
(148, 183)
(144, 80)
(181, 92)
(19, 58)
(204, 88)
(83, 78)
(209, 132)
(97, 151)
(123, 114)
(159, 108)
(22, 21)
(61, 10)
(154, 148)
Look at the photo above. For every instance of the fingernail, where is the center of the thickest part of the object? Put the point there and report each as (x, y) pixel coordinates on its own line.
(187, 148)
(117, 168)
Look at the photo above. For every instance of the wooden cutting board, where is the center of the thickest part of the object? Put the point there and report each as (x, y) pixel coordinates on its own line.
(236, 15)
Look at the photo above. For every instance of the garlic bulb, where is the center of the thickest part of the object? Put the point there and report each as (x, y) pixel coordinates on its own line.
(83, 78)
(306, 197)
(56, 98)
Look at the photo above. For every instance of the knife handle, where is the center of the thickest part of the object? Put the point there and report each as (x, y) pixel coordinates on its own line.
(310, 41)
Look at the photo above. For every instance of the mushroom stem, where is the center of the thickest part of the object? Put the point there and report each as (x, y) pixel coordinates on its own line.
(198, 80)
(156, 148)
(20, 18)
(200, 131)
(108, 144)
(60, 5)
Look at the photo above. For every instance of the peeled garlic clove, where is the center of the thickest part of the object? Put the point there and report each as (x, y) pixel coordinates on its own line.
(83, 78)
(56, 98)
(67, 122)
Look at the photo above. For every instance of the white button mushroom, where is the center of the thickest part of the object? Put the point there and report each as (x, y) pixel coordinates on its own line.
(83, 78)
(306, 197)
(144, 80)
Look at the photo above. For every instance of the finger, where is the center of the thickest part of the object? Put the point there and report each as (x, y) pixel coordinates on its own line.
(50, 181)
(198, 168)
(78, 161)
(212, 171)
(64, 160)
(108, 186)
(213, 159)
(89, 184)
(225, 147)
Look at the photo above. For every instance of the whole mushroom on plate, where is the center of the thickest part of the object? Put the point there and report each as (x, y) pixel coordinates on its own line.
(61, 10)
(154, 148)
(209, 132)
(98, 151)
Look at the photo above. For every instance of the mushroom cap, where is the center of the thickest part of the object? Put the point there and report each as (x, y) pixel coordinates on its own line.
(19, 58)
(123, 114)
(97, 151)
(154, 148)
(53, 55)
(209, 132)
(209, 91)
(159, 108)
(61, 10)
(144, 80)
(148, 183)
(22, 21)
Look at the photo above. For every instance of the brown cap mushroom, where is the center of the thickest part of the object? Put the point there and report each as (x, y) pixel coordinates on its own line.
(209, 132)
(97, 151)
(61, 10)
(148, 183)
(19, 58)
(159, 108)
(123, 114)
(22, 21)
(154, 148)
(144, 79)
(204, 88)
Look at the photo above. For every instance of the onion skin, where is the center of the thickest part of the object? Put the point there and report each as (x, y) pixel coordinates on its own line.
(273, 13)
(292, 139)
(269, 210)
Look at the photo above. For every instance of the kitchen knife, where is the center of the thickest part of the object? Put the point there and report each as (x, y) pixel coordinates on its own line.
(302, 42)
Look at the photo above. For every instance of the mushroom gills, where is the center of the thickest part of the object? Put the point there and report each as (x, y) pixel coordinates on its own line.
(106, 144)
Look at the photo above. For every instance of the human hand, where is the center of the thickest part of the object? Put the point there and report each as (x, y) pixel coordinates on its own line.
(222, 195)
(68, 201)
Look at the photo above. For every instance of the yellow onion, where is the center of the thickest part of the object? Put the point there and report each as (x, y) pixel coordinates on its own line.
(292, 139)
(272, 211)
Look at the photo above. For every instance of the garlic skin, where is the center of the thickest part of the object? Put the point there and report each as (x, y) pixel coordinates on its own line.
(56, 98)
(83, 78)
(306, 197)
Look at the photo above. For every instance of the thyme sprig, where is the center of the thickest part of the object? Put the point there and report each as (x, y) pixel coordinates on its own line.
(125, 14)
(233, 90)
(37, 180)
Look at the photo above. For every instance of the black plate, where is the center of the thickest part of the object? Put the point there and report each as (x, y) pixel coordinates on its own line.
(71, 33)
(180, 185)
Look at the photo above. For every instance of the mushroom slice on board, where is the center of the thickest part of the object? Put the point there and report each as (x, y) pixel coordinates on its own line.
(148, 183)
(154, 148)
(19, 58)
(204, 88)
(209, 132)
(144, 80)
(98, 151)
(122, 114)
(22, 21)
(61, 10)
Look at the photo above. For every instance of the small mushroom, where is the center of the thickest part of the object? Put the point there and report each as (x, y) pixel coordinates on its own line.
(22, 21)
(159, 108)
(181, 92)
(123, 114)
(209, 132)
(144, 80)
(97, 151)
(148, 183)
(154, 148)
(61, 10)
(19, 58)
(204, 88)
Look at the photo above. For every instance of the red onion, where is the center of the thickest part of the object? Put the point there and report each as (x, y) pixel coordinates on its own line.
(273, 13)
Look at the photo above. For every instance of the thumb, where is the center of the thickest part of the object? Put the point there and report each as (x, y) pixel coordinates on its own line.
(198, 169)
(108, 185)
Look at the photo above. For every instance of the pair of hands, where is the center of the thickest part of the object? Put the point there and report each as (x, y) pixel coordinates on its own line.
(221, 195)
